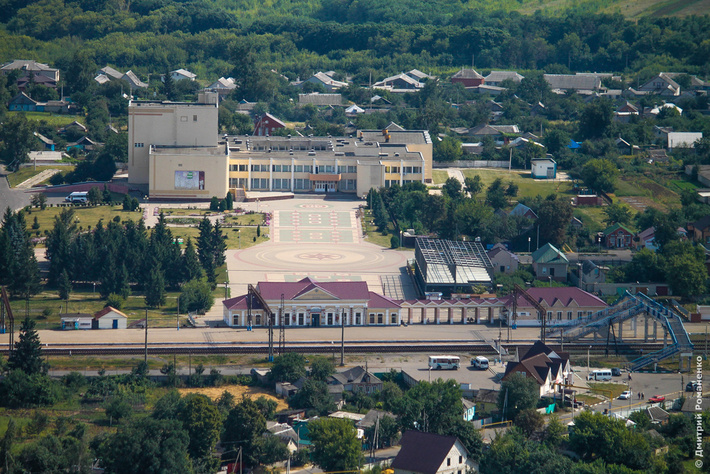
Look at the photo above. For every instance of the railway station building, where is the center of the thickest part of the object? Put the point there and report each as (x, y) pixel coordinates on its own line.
(175, 151)
(308, 303)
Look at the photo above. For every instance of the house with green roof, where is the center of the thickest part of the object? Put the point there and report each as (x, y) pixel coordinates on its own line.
(618, 236)
(549, 262)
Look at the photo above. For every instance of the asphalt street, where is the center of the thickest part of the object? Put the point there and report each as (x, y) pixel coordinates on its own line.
(15, 199)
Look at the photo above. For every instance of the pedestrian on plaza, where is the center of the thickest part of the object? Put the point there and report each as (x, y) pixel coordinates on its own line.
(642, 396)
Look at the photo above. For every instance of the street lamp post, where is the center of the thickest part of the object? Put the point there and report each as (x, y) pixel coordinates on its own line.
(550, 278)
(529, 239)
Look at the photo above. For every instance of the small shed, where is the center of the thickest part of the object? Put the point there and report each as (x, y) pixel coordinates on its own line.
(544, 168)
(76, 321)
(109, 318)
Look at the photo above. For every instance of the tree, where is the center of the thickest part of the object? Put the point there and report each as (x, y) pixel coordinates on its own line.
(39, 200)
(596, 118)
(288, 367)
(267, 406)
(495, 194)
(94, 196)
(335, 444)
(554, 432)
(313, 396)
(517, 393)
(59, 243)
(322, 367)
(272, 450)
(473, 185)
(118, 408)
(448, 149)
(416, 408)
(229, 199)
(617, 213)
(27, 355)
(146, 445)
(214, 204)
(80, 71)
(244, 428)
(196, 296)
(169, 86)
(155, 289)
(553, 217)
(16, 140)
(203, 423)
(6, 457)
(600, 174)
(190, 263)
(686, 273)
(452, 188)
(64, 287)
(530, 421)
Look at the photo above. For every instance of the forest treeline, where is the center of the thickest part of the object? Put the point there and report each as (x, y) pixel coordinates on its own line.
(357, 37)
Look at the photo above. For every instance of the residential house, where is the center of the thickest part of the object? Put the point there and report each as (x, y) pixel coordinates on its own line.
(485, 89)
(469, 409)
(618, 236)
(110, 72)
(47, 143)
(133, 81)
(399, 83)
(84, 144)
(523, 211)
(545, 366)
(22, 103)
(222, 86)
(24, 82)
(486, 399)
(325, 80)
(285, 433)
(357, 379)
(503, 260)
(563, 306)
(625, 148)
(354, 110)
(499, 133)
(371, 418)
(543, 168)
(658, 415)
(429, 453)
(646, 239)
(683, 139)
(690, 405)
(182, 74)
(573, 82)
(573, 145)
(319, 99)
(74, 127)
(266, 124)
(626, 112)
(652, 112)
(661, 84)
(587, 197)
(417, 75)
(285, 389)
(28, 66)
(699, 230)
(468, 78)
(657, 156)
(109, 318)
(592, 274)
(549, 262)
(575, 223)
(496, 78)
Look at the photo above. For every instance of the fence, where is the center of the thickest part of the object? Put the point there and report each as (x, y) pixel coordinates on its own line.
(471, 164)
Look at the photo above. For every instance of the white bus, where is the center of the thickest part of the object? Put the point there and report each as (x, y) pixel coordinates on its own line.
(480, 363)
(447, 362)
(603, 374)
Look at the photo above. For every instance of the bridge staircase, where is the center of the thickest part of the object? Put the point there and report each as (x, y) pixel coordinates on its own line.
(627, 307)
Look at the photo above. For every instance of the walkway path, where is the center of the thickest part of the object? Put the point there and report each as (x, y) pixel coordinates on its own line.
(36, 179)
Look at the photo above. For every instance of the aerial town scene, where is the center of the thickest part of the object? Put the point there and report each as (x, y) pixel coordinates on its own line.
(347, 236)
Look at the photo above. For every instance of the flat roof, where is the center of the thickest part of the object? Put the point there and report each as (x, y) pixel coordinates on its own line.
(454, 262)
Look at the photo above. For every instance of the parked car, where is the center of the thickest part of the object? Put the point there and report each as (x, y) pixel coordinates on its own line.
(692, 386)
(616, 372)
(625, 395)
(656, 399)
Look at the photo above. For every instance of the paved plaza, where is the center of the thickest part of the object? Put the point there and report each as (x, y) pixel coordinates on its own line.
(320, 238)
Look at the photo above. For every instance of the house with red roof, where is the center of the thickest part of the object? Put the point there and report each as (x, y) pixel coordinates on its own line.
(266, 124)
(564, 305)
(545, 366)
(109, 318)
(310, 303)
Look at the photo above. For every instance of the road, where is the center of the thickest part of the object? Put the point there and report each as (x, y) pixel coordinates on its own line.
(15, 199)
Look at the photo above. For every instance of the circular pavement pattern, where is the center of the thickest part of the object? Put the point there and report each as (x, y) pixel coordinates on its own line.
(356, 258)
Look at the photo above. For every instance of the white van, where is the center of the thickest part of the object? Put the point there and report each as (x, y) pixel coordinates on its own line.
(446, 362)
(77, 196)
(600, 375)
(480, 363)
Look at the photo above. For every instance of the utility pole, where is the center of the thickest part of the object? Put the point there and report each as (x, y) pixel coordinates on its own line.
(146, 336)
(177, 316)
(342, 336)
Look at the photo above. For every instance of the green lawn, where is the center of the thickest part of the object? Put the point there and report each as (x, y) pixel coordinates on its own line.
(372, 234)
(615, 388)
(527, 187)
(439, 176)
(592, 217)
(237, 237)
(26, 173)
(53, 120)
(84, 216)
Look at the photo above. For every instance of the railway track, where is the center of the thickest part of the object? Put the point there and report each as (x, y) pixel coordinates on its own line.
(314, 347)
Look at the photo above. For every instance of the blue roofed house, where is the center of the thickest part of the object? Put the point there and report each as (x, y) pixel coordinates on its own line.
(573, 145)
(22, 103)
(549, 262)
